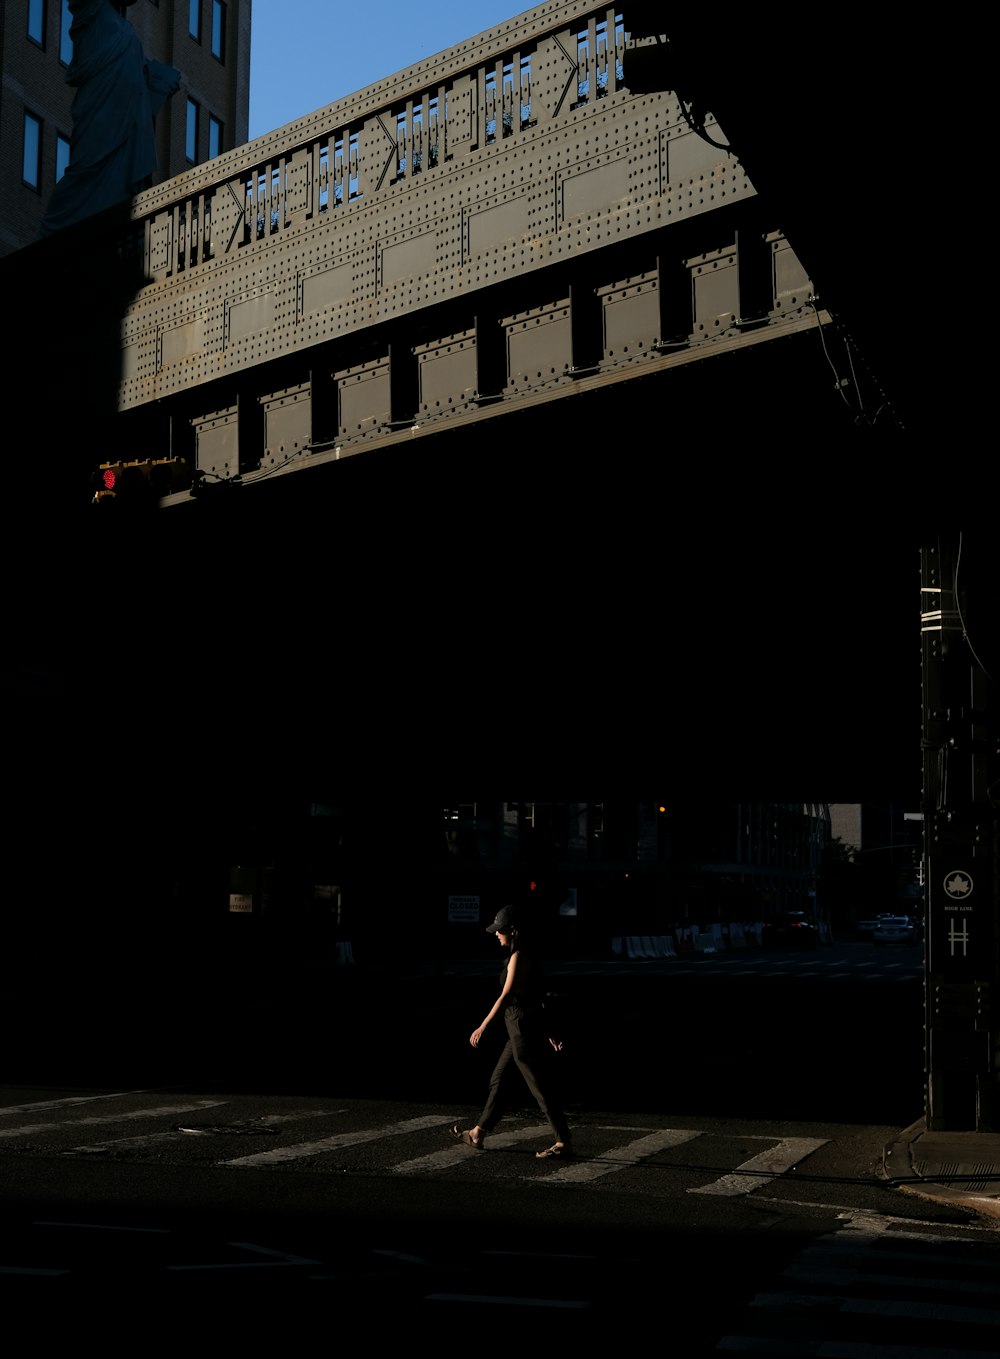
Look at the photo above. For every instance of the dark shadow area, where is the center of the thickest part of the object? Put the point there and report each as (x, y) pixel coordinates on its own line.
(694, 584)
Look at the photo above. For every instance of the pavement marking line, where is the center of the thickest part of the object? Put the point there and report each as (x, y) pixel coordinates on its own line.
(834, 1275)
(26, 1269)
(175, 1135)
(275, 1258)
(863, 1225)
(28, 1129)
(543, 1255)
(882, 1307)
(349, 1139)
(852, 1255)
(403, 1257)
(100, 1227)
(488, 1300)
(298, 1115)
(457, 1153)
(761, 1169)
(618, 1158)
(67, 1103)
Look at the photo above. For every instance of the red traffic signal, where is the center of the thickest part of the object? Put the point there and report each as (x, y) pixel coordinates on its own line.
(147, 480)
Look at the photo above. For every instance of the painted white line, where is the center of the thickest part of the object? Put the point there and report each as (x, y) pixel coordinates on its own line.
(298, 1114)
(543, 1255)
(16, 1269)
(487, 1300)
(627, 1127)
(275, 1257)
(760, 1169)
(29, 1129)
(835, 1275)
(68, 1103)
(882, 1307)
(176, 1135)
(618, 1158)
(403, 1257)
(864, 1226)
(102, 1227)
(349, 1139)
(457, 1153)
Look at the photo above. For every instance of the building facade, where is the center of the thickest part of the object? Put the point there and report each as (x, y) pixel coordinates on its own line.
(629, 867)
(207, 40)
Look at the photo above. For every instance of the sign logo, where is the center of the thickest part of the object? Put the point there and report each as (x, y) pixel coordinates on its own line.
(958, 886)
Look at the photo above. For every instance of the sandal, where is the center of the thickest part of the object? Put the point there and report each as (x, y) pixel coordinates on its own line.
(464, 1135)
(557, 1149)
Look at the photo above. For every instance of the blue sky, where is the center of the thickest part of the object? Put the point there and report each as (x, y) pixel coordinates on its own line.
(307, 53)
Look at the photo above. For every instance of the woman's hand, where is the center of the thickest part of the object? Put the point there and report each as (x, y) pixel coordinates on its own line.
(476, 1035)
(557, 1044)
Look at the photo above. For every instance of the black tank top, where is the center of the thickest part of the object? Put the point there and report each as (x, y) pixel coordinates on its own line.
(528, 990)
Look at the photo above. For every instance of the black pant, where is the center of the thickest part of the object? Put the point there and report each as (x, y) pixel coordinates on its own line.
(525, 1049)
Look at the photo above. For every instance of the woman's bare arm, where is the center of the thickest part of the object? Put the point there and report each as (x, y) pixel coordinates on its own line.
(498, 1004)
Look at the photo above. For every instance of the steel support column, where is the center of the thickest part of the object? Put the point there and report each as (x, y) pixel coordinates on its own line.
(960, 858)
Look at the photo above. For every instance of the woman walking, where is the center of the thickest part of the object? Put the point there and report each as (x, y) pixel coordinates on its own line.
(521, 1004)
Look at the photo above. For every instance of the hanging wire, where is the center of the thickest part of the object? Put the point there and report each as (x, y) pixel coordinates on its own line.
(961, 617)
(859, 412)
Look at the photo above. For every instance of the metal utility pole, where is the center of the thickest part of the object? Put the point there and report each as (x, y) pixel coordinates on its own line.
(960, 850)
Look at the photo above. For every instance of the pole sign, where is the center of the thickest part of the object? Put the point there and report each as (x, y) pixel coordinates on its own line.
(955, 946)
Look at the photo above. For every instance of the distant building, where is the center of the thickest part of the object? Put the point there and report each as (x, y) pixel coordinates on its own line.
(874, 864)
(632, 867)
(845, 823)
(207, 40)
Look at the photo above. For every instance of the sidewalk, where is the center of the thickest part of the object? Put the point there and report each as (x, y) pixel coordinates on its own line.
(962, 1168)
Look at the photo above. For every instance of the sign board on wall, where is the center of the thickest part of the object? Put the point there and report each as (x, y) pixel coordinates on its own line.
(463, 910)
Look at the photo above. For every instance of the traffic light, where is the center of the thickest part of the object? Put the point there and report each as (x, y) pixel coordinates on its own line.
(145, 480)
(105, 480)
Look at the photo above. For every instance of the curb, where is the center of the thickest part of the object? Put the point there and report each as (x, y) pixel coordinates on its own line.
(899, 1167)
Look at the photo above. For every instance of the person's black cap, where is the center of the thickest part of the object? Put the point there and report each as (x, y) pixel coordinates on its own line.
(504, 922)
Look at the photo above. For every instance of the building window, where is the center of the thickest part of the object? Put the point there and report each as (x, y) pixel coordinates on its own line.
(214, 138)
(65, 41)
(62, 156)
(36, 21)
(218, 30)
(31, 171)
(194, 19)
(191, 132)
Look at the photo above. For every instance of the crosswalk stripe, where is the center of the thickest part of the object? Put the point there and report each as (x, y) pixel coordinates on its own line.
(67, 1103)
(833, 1277)
(457, 1152)
(497, 1300)
(618, 1158)
(857, 1259)
(348, 1139)
(93, 1120)
(880, 1307)
(177, 1134)
(759, 1169)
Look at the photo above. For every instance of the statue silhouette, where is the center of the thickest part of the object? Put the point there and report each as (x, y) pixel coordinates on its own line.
(119, 91)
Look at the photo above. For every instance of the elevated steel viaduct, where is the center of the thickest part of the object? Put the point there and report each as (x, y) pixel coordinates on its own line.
(533, 221)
